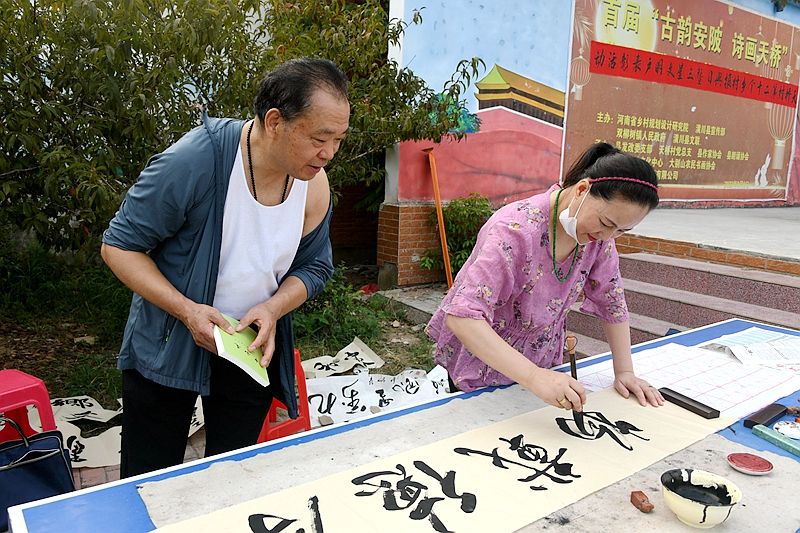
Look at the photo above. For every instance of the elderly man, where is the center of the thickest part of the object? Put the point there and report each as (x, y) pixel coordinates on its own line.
(233, 218)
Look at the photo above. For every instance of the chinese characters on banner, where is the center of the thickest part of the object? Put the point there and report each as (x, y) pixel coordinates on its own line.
(497, 478)
(704, 91)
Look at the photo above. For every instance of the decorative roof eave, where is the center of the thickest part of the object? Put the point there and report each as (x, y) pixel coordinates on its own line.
(500, 78)
(519, 98)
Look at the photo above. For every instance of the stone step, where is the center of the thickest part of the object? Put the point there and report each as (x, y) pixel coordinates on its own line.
(758, 287)
(643, 328)
(692, 310)
(418, 303)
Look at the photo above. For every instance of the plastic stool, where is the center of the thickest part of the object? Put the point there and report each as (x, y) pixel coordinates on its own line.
(17, 391)
(272, 430)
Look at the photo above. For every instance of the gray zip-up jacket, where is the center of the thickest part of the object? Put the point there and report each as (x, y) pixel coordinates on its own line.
(174, 213)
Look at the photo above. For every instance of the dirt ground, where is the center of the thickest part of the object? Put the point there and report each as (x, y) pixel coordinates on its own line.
(49, 351)
(71, 363)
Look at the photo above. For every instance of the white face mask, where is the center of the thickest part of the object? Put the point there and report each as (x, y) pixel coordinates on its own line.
(570, 223)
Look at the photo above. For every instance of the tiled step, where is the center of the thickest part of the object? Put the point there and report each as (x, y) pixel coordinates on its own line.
(766, 289)
(692, 310)
(643, 328)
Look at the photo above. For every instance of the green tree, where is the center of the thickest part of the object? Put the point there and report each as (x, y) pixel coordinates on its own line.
(92, 88)
(780, 5)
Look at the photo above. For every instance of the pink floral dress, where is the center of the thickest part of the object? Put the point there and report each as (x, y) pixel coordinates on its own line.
(508, 281)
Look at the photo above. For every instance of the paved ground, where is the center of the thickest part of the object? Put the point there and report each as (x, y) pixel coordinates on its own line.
(767, 231)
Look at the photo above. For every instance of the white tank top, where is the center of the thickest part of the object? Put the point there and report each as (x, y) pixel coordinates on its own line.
(259, 243)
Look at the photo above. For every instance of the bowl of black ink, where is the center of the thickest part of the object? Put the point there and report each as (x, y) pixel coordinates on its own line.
(698, 498)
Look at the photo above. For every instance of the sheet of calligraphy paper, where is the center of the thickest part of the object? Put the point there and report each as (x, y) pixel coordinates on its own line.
(91, 452)
(81, 408)
(99, 450)
(713, 378)
(497, 478)
(357, 353)
(346, 398)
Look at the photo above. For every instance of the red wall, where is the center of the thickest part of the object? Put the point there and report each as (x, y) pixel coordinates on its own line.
(512, 156)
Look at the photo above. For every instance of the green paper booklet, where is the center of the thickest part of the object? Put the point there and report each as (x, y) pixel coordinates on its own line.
(234, 349)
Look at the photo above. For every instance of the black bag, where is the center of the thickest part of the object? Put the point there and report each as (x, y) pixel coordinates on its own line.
(33, 468)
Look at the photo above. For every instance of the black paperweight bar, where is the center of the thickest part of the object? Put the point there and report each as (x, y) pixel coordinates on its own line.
(689, 404)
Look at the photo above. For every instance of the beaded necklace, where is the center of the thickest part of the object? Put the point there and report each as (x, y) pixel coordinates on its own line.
(252, 177)
(557, 271)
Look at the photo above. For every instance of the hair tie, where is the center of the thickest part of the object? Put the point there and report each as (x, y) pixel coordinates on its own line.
(622, 178)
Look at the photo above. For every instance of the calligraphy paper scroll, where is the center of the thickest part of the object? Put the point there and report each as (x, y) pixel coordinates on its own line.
(497, 478)
(346, 398)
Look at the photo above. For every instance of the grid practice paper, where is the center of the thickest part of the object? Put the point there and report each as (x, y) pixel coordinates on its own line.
(715, 379)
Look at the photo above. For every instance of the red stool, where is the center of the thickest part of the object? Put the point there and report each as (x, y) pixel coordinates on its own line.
(272, 430)
(17, 391)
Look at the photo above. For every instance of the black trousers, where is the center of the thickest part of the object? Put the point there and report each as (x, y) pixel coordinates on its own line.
(155, 418)
(453, 386)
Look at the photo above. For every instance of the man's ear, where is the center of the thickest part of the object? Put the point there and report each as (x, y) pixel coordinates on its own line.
(272, 120)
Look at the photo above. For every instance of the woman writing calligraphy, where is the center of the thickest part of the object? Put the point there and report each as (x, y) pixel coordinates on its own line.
(503, 321)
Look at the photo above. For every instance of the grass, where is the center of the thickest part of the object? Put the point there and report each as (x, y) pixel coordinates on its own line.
(347, 313)
(51, 300)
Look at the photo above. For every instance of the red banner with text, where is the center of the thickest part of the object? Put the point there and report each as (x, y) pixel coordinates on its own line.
(705, 91)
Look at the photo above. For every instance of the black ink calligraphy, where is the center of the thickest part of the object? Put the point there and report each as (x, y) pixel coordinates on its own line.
(257, 521)
(75, 447)
(354, 402)
(74, 402)
(406, 492)
(383, 400)
(592, 425)
(333, 366)
(532, 454)
(409, 386)
(356, 356)
(325, 404)
(79, 416)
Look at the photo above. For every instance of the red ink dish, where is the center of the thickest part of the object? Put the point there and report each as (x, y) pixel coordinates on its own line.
(747, 463)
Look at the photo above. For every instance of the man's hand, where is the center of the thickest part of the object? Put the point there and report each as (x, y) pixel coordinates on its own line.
(263, 316)
(200, 320)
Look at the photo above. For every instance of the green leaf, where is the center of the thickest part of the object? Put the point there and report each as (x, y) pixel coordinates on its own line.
(97, 85)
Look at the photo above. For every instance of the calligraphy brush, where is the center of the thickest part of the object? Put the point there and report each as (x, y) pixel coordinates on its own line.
(571, 343)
